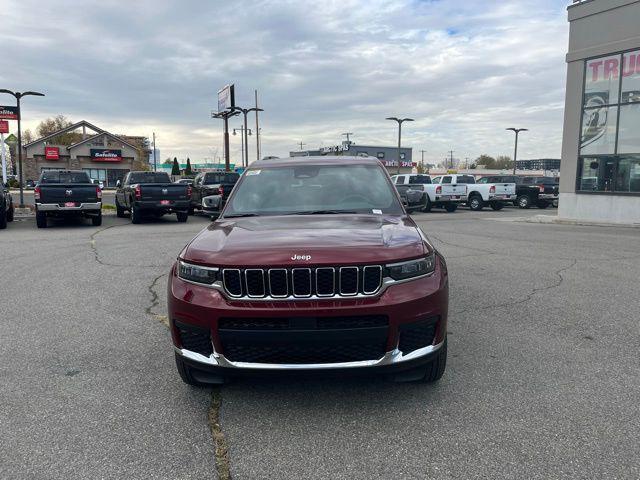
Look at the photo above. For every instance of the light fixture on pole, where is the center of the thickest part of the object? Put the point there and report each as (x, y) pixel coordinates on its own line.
(515, 150)
(18, 96)
(400, 122)
(224, 115)
(245, 112)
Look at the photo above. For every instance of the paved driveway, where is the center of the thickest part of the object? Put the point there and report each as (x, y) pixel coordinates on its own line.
(543, 378)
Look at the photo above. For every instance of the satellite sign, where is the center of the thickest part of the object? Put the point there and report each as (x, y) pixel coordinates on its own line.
(226, 98)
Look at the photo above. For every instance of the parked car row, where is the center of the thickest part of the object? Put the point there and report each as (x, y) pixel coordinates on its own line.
(423, 192)
(6, 207)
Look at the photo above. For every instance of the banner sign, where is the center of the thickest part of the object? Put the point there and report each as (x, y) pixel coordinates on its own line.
(4, 126)
(393, 163)
(106, 155)
(51, 153)
(226, 98)
(8, 113)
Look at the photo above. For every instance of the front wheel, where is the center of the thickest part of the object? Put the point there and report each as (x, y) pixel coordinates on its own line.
(427, 204)
(41, 219)
(119, 209)
(182, 216)
(10, 213)
(524, 201)
(451, 207)
(136, 215)
(187, 375)
(97, 220)
(497, 206)
(3, 218)
(436, 368)
(543, 204)
(475, 203)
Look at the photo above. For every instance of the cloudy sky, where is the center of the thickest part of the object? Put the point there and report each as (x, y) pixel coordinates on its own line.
(464, 70)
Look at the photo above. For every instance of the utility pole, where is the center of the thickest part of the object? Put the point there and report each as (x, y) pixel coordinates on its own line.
(347, 134)
(515, 151)
(451, 162)
(400, 121)
(301, 145)
(257, 127)
(155, 164)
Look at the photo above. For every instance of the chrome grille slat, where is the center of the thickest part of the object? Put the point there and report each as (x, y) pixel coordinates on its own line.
(302, 282)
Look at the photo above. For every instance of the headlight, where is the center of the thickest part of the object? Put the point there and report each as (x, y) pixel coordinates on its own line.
(197, 274)
(412, 268)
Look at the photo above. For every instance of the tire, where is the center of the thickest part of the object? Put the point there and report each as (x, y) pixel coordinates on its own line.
(524, 201)
(451, 207)
(191, 210)
(3, 218)
(182, 216)
(185, 373)
(542, 205)
(41, 219)
(119, 209)
(436, 368)
(497, 206)
(136, 215)
(476, 203)
(97, 220)
(427, 204)
(10, 213)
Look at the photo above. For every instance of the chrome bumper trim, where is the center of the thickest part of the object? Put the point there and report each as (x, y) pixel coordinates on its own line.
(393, 357)
(548, 196)
(54, 207)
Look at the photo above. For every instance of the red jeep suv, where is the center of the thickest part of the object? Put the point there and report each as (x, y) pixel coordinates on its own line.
(313, 265)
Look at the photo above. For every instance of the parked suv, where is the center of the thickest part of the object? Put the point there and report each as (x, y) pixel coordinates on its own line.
(313, 265)
(6, 207)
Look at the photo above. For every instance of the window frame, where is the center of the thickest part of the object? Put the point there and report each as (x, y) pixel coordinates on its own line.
(618, 104)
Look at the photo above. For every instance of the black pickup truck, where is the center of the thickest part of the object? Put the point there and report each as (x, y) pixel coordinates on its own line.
(212, 183)
(66, 193)
(530, 191)
(152, 193)
(6, 207)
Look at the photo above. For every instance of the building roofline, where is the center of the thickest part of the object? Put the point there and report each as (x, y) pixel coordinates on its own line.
(81, 123)
(103, 132)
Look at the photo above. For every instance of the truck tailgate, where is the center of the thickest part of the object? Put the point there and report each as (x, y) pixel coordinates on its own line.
(454, 190)
(505, 188)
(63, 193)
(165, 191)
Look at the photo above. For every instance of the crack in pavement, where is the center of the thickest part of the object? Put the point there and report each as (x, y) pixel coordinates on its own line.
(462, 246)
(223, 468)
(163, 319)
(96, 255)
(529, 296)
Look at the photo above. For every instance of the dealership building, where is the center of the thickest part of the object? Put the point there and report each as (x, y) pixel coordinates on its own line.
(600, 172)
(103, 155)
(387, 155)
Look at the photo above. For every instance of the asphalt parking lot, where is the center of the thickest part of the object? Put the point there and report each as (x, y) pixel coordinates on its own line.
(543, 377)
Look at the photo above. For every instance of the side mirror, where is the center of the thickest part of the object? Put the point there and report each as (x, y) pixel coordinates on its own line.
(118, 184)
(212, 202)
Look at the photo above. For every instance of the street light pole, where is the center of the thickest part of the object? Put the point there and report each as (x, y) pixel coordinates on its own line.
(245, 111)
(400, 121)
(515, 151)
(18, 96)
(225, 117)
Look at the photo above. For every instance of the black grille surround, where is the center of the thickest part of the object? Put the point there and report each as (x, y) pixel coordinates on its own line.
(304, 340)
(414, 336)
(302, 282)
(195, 339)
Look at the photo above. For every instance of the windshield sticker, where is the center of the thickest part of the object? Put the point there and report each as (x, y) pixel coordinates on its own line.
(253, 172)
(376, 211)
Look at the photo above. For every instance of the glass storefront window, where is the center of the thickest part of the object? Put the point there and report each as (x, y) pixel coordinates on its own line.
(631, 77)
(602, 81)
(598, 134)
(629, 131)
(628, 176)
(597, 174)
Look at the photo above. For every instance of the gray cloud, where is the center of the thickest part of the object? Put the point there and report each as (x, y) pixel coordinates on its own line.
(463, 70)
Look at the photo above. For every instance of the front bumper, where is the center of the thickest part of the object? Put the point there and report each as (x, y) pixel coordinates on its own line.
(417, 302)
(55, 207)
(548, 196)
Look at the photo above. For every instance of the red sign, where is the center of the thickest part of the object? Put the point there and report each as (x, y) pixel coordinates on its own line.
(4, 126)
(8, 113)
(106, 155)
(51, 153)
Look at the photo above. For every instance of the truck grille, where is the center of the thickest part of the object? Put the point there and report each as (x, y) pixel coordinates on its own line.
(302, 282)
(304, 340)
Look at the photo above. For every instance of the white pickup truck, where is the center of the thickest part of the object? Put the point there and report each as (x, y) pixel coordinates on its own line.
(497, 195)
(420, 193)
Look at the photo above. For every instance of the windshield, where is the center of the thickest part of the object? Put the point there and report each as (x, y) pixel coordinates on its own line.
(314, 189)
(149, 177)
(216, 178)
(64, 177)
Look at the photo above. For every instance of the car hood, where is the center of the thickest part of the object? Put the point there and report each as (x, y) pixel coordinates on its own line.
(306, 240)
